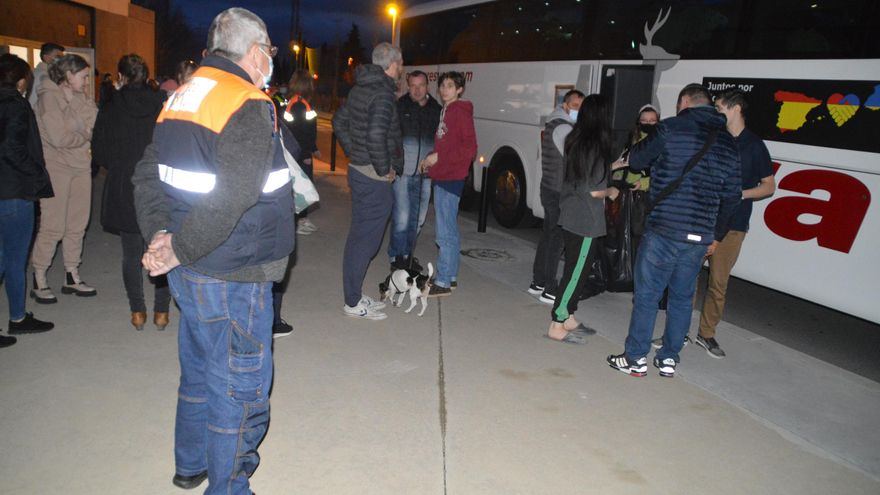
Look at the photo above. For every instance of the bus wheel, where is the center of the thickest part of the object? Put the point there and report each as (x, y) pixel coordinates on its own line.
(508, 187)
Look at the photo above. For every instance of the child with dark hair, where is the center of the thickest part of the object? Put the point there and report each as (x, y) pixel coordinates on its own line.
(455, 146)
(123, 130)
(582, 211)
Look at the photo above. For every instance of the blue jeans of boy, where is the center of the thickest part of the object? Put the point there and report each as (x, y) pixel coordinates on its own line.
(225, 348)
(662, 262)
(412, 193)
(16, 230)
(447, 195)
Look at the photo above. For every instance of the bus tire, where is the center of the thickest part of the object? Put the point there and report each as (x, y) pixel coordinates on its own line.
(507, 183)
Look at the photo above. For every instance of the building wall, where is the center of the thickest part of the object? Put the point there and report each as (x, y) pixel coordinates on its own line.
(118, 35)
(65, 23)
(119, 27)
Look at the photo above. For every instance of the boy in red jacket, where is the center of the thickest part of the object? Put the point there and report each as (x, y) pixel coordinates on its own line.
(455, 146)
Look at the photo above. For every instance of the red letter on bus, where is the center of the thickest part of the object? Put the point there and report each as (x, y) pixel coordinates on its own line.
(841, 215)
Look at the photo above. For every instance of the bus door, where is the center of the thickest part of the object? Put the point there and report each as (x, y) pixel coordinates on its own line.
(627, 88)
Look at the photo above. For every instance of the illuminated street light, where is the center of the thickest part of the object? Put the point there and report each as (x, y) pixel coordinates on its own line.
(294, 46)
(392, 10)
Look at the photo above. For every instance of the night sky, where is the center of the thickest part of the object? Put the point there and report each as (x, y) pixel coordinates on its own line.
(321, 20)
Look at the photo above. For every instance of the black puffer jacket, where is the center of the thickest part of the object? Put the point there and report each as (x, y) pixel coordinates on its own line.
(418, 124)
(367, 126)
(123, 129)
(22, 168)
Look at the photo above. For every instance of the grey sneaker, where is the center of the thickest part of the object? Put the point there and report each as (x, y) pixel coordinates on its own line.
(371, 303)
(75, 285)
(711, 346)
(41, 292)
(658, 342)
(363, 312)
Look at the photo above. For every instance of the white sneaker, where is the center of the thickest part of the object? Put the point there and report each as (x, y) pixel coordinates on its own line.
(306, 225)
(363, 312)
(371, 303)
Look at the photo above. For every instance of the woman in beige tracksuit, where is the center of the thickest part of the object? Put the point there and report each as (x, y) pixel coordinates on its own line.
(65, 116)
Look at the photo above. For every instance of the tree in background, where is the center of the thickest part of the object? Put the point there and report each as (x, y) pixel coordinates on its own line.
(352, 55)
(176, 40)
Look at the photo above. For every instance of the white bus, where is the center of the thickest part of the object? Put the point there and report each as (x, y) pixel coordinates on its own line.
(811, 69)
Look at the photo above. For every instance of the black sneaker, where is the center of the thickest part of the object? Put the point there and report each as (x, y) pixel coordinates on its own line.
(535, 289)
(454, 284)
(711, 346)
(7, 341)
(548, 297)
(658, 342)
(189, 482)
(281, 329)
(666, 367)
(632, 368)
(437, 291)
(29, 325)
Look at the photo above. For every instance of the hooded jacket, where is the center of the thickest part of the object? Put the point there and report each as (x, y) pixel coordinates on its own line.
(65, 127)
(123, 129)
(699, 210)
(455, 142)
(22, 169)
(367, 126)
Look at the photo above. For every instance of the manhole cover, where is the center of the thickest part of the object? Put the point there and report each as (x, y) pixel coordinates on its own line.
(487, 254)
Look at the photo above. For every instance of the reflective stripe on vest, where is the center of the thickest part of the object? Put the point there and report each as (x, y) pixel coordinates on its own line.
(310, 114)
(203, 182)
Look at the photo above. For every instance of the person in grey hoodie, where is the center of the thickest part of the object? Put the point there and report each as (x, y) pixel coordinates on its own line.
(546, 264)
(368, 130)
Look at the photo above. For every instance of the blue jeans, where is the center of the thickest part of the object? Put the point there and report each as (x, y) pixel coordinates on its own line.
(370, 208)
(225, 348)
(661, 263)
(16, 230)
(412, 193)
(447, 195)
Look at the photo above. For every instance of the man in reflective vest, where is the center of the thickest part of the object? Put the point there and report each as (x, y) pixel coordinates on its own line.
(213, 192)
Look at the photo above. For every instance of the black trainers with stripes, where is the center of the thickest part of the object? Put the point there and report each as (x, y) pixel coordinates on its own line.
(666, 367)
(620, 362)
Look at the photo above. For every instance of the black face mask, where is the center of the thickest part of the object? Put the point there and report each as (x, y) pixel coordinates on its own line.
(649, 129)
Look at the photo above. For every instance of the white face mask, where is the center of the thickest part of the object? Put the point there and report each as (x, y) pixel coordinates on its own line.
(573, 115)
(267, 78)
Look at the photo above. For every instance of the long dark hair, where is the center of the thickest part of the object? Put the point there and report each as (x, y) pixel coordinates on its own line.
(588, 145)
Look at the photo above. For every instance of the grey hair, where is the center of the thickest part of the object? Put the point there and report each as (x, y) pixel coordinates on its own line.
(234, 31)
(69, 62)
(385, 54)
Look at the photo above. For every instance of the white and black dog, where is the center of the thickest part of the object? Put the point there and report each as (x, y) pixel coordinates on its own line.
(402, 282)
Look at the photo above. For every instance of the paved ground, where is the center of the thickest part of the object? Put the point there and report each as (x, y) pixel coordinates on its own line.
(469, 399)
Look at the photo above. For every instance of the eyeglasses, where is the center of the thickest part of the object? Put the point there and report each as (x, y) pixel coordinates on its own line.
(273, 50)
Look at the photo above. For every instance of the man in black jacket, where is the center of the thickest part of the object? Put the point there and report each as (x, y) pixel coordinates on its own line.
(369, 132)
(419, 116)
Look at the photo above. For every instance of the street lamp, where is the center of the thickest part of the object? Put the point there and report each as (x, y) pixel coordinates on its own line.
(393, 11)
(295, 55)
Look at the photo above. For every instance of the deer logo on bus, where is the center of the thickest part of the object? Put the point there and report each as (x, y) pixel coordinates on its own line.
(650, 51)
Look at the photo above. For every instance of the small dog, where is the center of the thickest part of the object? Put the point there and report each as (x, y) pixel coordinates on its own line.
(402, 282)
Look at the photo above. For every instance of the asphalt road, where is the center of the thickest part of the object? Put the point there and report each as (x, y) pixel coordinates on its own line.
(834, 337)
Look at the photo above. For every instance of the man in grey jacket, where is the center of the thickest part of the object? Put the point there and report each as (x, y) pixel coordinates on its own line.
(368, 130)
(546, 265)
(48, 53)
